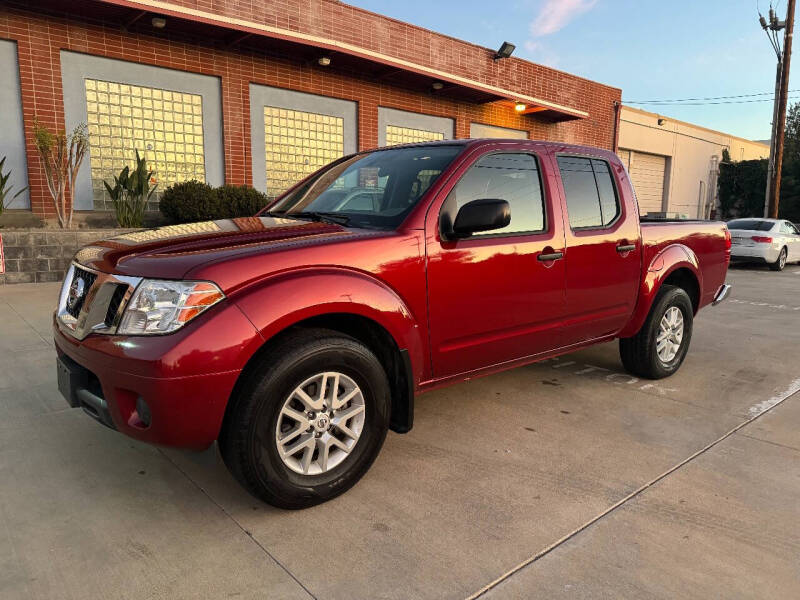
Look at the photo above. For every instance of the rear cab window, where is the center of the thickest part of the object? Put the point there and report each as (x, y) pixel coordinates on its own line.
(592, 199)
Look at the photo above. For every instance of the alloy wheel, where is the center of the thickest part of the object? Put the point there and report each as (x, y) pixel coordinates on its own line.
(670, 335)
(320, 423)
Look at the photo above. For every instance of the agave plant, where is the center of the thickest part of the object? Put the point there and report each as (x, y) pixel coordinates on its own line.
(131, 192)
(5, 188)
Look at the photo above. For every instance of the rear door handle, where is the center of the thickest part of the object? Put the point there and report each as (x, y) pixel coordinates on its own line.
(626, 248)
(550, 256)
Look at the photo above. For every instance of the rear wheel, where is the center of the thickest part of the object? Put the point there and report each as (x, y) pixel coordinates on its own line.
(660, 346)
(779, 264)
(309, 420)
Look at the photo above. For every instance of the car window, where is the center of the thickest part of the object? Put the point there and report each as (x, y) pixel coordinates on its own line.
(376, 189)
(609, 207)
(751, 224)
(793, 229)
(592, 200)
(788, 228)
(513, 177)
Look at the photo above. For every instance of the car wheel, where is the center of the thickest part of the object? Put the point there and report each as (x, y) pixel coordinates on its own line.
(660, 346)
(779, 264)
(308, 420)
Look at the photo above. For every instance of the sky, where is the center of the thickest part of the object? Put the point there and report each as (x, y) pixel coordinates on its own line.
(653, 50)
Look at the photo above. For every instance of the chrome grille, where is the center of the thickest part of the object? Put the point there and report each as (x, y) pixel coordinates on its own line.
(87, 278)
(92, 301)
(115, 303)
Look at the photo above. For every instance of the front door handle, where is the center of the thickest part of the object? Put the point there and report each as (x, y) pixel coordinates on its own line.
(622, 249)
(550, 256)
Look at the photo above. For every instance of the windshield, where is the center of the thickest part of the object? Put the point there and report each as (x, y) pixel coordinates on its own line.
(375, 190)
(751, 224)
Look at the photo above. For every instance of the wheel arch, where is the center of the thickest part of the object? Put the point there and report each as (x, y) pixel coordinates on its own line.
(350, 303)
(677, 265)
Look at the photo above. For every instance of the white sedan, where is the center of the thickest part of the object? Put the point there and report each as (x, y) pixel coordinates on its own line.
(771, 241)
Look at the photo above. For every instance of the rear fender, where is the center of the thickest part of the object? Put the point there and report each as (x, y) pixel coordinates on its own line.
(279, 302)
(666, 262)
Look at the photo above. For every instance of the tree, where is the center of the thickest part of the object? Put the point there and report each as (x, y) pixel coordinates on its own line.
(790, 174)
(61, 155)
(742, 184)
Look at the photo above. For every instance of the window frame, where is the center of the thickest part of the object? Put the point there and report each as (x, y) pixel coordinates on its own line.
(614, 185)
(489, 235)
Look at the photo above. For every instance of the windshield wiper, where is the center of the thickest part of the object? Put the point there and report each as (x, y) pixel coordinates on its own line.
(326, 217)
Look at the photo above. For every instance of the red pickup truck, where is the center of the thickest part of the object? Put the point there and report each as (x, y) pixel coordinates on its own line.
(296, 338)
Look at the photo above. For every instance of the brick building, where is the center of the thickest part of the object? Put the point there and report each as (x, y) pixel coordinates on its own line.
(260, 92)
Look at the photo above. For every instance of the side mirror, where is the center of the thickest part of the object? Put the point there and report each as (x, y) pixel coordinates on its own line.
(480, 215)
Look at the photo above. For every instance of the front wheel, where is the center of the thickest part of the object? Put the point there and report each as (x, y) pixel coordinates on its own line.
(309, 420)
(779, 264)
(660, 346)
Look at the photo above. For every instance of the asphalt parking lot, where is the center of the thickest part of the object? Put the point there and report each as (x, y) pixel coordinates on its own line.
(566, 479)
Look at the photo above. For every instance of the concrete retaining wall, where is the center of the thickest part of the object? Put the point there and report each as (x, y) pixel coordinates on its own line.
(36, 255)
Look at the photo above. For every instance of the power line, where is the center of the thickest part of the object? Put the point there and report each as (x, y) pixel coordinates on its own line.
(667, 101)
(708, 103)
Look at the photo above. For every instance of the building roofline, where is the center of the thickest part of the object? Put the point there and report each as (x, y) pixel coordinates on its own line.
(474, 45)
(695, 125)
(169, 8)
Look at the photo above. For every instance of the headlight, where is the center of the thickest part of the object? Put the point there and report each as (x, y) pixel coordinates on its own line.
(164, 306)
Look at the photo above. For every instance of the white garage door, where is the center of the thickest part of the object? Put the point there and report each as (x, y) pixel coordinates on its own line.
(647, 174)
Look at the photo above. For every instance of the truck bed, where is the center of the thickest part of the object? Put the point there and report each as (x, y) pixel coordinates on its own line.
(706, 239)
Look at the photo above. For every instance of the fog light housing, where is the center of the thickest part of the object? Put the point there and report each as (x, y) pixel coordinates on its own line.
(141, 417)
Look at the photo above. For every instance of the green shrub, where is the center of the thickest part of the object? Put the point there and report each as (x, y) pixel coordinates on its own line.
(188, 202)
(195, 201)
(239, 201)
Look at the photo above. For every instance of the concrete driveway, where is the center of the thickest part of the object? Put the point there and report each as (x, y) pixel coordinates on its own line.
(563, 479)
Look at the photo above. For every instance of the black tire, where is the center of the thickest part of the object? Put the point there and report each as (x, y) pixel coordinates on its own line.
(639, 354)
(254, 460)
(779, 264)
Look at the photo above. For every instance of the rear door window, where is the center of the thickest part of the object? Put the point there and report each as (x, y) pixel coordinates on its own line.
(592, 200)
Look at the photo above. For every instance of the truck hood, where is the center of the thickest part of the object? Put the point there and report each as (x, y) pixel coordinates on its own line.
(171, 252)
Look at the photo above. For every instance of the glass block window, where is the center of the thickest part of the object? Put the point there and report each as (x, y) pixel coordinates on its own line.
(166, 127)
(407, 135)
(297, 144)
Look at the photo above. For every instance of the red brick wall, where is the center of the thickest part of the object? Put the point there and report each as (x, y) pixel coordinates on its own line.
(40, 39)
(341, 22)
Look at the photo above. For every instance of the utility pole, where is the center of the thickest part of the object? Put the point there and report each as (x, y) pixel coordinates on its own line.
(775, 193)
(772, 199)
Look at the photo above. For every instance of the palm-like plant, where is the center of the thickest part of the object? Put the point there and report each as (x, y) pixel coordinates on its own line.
(131, 192)
(5, 188)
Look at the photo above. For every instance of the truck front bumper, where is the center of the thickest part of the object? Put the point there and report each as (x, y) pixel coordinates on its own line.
(135, 384)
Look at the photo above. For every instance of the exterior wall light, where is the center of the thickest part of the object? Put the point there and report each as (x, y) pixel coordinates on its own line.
(661, 121)
(324, 61)
(437, 85)
(506, 50)
(159, 22)
(520, 107)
